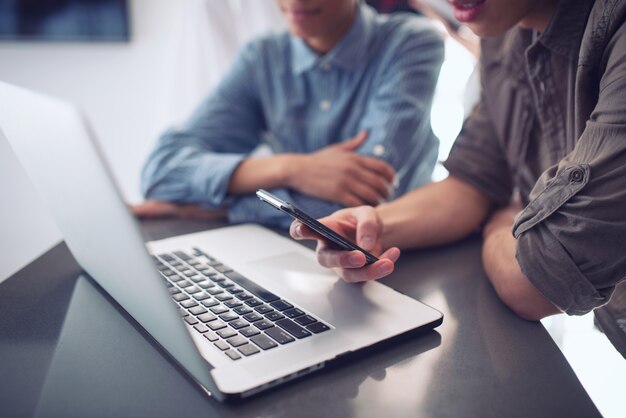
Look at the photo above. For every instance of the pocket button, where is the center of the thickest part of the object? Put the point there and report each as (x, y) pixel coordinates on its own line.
(576, 176)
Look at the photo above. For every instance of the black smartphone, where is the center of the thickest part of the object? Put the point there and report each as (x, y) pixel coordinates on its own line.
(335, 239)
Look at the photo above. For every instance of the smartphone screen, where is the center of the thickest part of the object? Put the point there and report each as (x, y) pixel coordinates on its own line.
(334, 238)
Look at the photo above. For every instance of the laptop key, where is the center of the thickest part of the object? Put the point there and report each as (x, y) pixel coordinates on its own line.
(293, 328)
(222, 268)
(249, 331)
(207, 317)
(198, 252)
(173, 290)
(182, 312)
(238, 323)
(193, 290)
(263, 324)
(242, 310)
(191, 320)
(274, 316)
(219, 310)
(222, 345)
(226, 333)
(223, 296)
(252, 287)
(252, 317)
(237, 341)
(225, 284)
(201, 328)
(176, 278)
(209, 303)
(293, 313)
(201, 296)
(189, 303)
(229, 316)
(253, 302)
(180, 297)
(198, 310)
(215, 325)
(215, 291)
(263, 309)
(206, 284)
(211, 336)
(184, 283)
(181, 255)
(281, 305)
(233, 290)
(243, 296)
(279, 335)
(232, 354)
(248, 350)
(305, 320)
(167, 257)
(263, 341)
(232, 303)
(318, 327)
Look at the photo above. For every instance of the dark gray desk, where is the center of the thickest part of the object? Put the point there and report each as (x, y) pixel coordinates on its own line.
(67, 350)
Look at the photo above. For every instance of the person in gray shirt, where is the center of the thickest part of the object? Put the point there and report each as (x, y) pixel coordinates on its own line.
(539, 166)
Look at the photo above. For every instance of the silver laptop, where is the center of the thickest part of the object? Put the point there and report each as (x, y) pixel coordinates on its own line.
(240, 308)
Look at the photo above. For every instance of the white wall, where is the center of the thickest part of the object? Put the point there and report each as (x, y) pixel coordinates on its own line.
(130, 92)
(117, 85)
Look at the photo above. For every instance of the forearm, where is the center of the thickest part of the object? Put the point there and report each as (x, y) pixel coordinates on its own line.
(262, 173)
(434, 214)
(510, 283)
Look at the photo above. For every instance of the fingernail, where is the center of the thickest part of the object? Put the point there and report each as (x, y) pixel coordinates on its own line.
(298, 230)
(355, 260)
(367, 243)
(385, 269)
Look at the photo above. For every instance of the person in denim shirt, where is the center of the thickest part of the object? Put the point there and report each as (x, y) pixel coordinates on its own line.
(343, 102)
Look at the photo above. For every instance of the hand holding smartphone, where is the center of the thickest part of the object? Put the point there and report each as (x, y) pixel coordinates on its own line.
(335, 239)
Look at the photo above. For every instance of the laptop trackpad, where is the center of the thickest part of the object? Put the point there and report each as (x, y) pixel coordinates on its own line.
(302, 281)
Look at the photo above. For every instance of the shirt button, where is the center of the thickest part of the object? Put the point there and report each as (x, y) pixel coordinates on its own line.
(378, 150)
(325, 65)
(325, 105)
(576, 176)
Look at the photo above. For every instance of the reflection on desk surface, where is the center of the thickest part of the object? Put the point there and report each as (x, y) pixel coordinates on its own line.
(482, 361)
(107, 363)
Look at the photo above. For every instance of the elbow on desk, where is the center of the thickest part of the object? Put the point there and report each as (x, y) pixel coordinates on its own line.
(526, 301)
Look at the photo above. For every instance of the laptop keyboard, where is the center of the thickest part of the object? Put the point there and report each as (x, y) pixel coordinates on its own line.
(237, 315)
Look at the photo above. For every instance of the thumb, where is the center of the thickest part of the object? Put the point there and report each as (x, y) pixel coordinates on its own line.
(353, 143)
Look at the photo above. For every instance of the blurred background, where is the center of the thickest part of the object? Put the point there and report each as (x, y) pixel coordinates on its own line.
(136, 67)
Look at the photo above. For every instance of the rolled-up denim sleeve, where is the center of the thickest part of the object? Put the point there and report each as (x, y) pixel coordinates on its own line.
(194, 163)
(572, 236)
(397, 115)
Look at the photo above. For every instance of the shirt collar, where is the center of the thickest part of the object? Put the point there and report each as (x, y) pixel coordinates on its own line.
(566, 28)
(349, 53)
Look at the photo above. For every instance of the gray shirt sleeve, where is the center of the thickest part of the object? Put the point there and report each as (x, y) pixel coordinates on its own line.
(477, 157)
(572, 235)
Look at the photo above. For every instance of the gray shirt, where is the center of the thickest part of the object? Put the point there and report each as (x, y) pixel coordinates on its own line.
(551, 125)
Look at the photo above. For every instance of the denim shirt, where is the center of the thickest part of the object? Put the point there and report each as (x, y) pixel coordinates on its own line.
(551, 125)
(380, 77)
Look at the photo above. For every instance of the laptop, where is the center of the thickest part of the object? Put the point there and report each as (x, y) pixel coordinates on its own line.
(241, 308)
